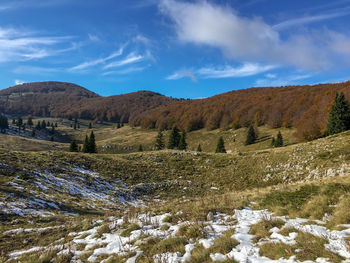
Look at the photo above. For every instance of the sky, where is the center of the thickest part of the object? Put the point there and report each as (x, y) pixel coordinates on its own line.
(184, 49)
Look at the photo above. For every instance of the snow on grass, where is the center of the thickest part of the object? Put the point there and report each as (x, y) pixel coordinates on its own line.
(96, 244)
(29, 230)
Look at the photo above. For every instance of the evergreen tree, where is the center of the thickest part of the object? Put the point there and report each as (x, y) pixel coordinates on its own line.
(51, 139)
(90, 125)
(199, 148)
(13, 121)
(3, 123)
(118, 125)
(86, 147)
(75, 126)
(78, 125)
(48, 124)
(174, 138)
(220, 147)
(52, 130)
(159, 141)
(182, 142)
(251, 136)
(273, 142)
(339, 116)
(30, 122)
(38, 126)
(43, 124)
(56, 125)
(140, 149)
(73, 147)
(122, 124)
(279, 140)
(92, 143)
(19, 121)
(33, 133)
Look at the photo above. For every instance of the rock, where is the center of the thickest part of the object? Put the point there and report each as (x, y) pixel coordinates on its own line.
(210, 216)
(331, 172)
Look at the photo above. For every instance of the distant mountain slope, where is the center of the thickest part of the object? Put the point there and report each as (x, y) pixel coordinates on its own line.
(42, 98)
(60, 99)
(304, 107)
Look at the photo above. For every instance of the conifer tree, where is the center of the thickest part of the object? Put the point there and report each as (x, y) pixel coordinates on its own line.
(279, 140)
(33, 133)
(273, 142)
(51, 139)
(43, 124)
(159, 141)
(13, 121)
(251, 136)
(73, 147)
(92, 143)
(56, 125)
(19, 121)
(90, 125)
(118, 125)
(199, 148)
(30, 122)
(3, 123)
(182, 142)
(140, 149)
(48, 124)
(339, 116)
(38, 126)
(220, 147)
(52, 130)
(86, 147)
(174, 138)
(75, 126)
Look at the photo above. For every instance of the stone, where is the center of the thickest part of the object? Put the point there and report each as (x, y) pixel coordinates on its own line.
(210, 216)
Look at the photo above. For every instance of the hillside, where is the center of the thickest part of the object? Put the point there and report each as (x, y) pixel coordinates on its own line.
(303, 107)
(276, 205)
(61, 99)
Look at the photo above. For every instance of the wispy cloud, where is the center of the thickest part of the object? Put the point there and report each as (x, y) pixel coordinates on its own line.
(249, 39)
(311, 19)
(247, 69)
(124, 71)
(130, 59)
(35, 70)
(99, 61)
(19, 45)
(276, 81)
(182, 74)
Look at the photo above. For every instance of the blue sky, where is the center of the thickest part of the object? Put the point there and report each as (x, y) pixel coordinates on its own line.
(189, 49)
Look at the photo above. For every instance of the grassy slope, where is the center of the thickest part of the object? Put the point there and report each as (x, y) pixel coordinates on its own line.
(198, 183)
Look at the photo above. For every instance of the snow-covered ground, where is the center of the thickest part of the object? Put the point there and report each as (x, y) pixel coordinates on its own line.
(45, 193)
(95, 245)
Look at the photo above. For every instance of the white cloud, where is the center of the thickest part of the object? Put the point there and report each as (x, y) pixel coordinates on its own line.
(130, 59)
(182, 74)
(19, 82)
(99, 61)
(247, 69)
(310, 19)
(246, 39)
(19, 45)
(94, 38)
(124, 71)
(275, 81)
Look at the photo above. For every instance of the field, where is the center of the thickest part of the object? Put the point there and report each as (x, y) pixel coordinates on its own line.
(170, 205)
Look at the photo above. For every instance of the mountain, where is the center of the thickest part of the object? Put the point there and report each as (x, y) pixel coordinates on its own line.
(42, 98)
(304, 107)
(61, 99)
